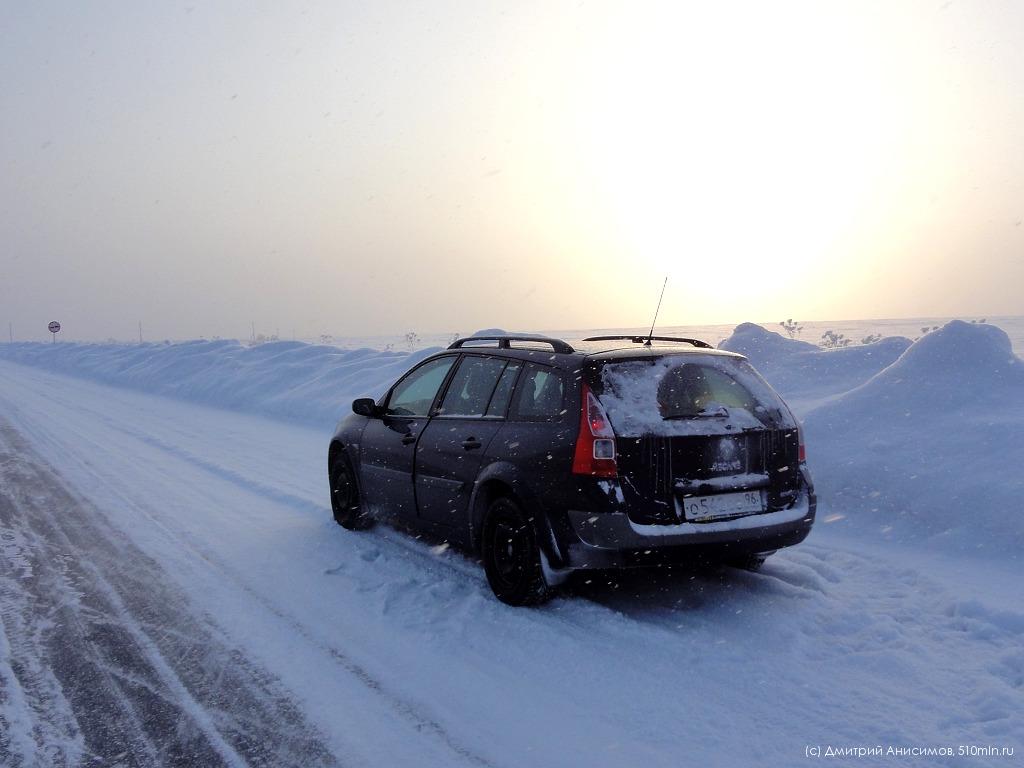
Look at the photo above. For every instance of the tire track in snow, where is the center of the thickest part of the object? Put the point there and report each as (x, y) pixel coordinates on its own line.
(107, 663)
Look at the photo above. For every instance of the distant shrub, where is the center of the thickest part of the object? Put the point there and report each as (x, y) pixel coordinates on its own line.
(833, 340)
(791, 327)
(260, 338)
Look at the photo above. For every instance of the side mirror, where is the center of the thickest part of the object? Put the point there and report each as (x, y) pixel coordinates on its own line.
(365, 406)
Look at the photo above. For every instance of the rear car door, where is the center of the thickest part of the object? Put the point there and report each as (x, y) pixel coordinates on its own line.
(453, 445)
(388, 445)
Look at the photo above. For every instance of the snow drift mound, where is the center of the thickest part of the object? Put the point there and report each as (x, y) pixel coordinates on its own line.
(803, 373)
(308, 383)
(930, 447)
(957, 366)
(761, 346)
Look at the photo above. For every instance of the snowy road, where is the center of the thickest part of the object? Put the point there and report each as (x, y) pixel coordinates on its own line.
(175, 592)
(108, 648)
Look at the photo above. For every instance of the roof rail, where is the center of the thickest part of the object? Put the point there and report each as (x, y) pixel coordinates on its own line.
(505, 342)
(646, 340)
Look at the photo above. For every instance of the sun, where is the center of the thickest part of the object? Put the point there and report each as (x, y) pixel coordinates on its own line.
(741, 161)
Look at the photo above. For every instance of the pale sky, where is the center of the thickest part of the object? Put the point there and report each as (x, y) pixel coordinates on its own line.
(386, 166)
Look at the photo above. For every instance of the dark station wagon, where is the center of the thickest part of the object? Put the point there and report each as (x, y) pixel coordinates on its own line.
(544, 459)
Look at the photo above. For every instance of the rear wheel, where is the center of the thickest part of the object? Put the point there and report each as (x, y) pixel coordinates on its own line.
(750, 563)
(510, 554)
(345, 494)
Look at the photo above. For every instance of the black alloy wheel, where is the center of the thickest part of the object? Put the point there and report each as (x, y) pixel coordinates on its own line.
(345, 494)
(510, 554)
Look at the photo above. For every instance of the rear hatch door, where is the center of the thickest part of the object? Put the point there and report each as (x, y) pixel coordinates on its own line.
(701, 437)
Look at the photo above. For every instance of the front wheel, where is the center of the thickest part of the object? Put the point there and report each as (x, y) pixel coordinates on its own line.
(345, 495)
(510, 554)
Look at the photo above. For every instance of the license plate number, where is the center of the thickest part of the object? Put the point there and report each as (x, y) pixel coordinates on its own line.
(721, 506)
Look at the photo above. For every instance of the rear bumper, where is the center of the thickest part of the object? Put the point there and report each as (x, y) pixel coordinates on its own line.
(611, 540)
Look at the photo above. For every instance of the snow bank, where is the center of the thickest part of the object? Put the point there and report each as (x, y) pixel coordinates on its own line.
(909, 442)
(305, 383)
(931, 447)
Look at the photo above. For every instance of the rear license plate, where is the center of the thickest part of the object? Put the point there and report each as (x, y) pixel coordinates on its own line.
(700, 509)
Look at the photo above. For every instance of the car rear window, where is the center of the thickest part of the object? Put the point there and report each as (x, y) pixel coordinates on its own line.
(691, 395)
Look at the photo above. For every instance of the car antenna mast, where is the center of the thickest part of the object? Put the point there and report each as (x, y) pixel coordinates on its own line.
(656, 311)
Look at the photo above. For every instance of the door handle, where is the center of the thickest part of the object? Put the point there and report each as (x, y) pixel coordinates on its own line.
(470, 443)
(408, 439)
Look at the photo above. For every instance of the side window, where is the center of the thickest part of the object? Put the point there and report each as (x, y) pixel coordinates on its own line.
(413, 395)
(541, 394)
(503, 392)
(472, 386)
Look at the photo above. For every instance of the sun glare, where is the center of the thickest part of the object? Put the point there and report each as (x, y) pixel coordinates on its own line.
(744, 160)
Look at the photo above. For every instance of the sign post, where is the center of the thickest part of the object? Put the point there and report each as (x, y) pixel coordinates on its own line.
(54, 327)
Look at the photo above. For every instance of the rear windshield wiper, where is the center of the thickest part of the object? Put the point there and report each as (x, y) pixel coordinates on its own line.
(718, 413)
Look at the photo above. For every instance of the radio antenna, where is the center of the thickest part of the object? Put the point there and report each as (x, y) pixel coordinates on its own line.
(656, 311)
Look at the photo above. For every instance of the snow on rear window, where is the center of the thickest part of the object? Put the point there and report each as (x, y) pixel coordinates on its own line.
(692, 396)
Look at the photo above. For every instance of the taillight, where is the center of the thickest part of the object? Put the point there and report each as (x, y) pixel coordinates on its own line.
(595, 446)
(801, 451)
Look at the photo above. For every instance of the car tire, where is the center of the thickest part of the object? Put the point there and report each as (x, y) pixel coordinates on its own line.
(511, 556)
(750, 563)
(345, 495)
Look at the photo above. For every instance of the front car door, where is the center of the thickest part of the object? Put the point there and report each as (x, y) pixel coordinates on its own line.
(388, 445)
(453, 445)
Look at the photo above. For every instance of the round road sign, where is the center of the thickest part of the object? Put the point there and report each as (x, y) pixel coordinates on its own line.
(54, 326)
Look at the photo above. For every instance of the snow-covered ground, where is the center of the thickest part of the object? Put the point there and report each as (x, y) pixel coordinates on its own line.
(174, 590)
